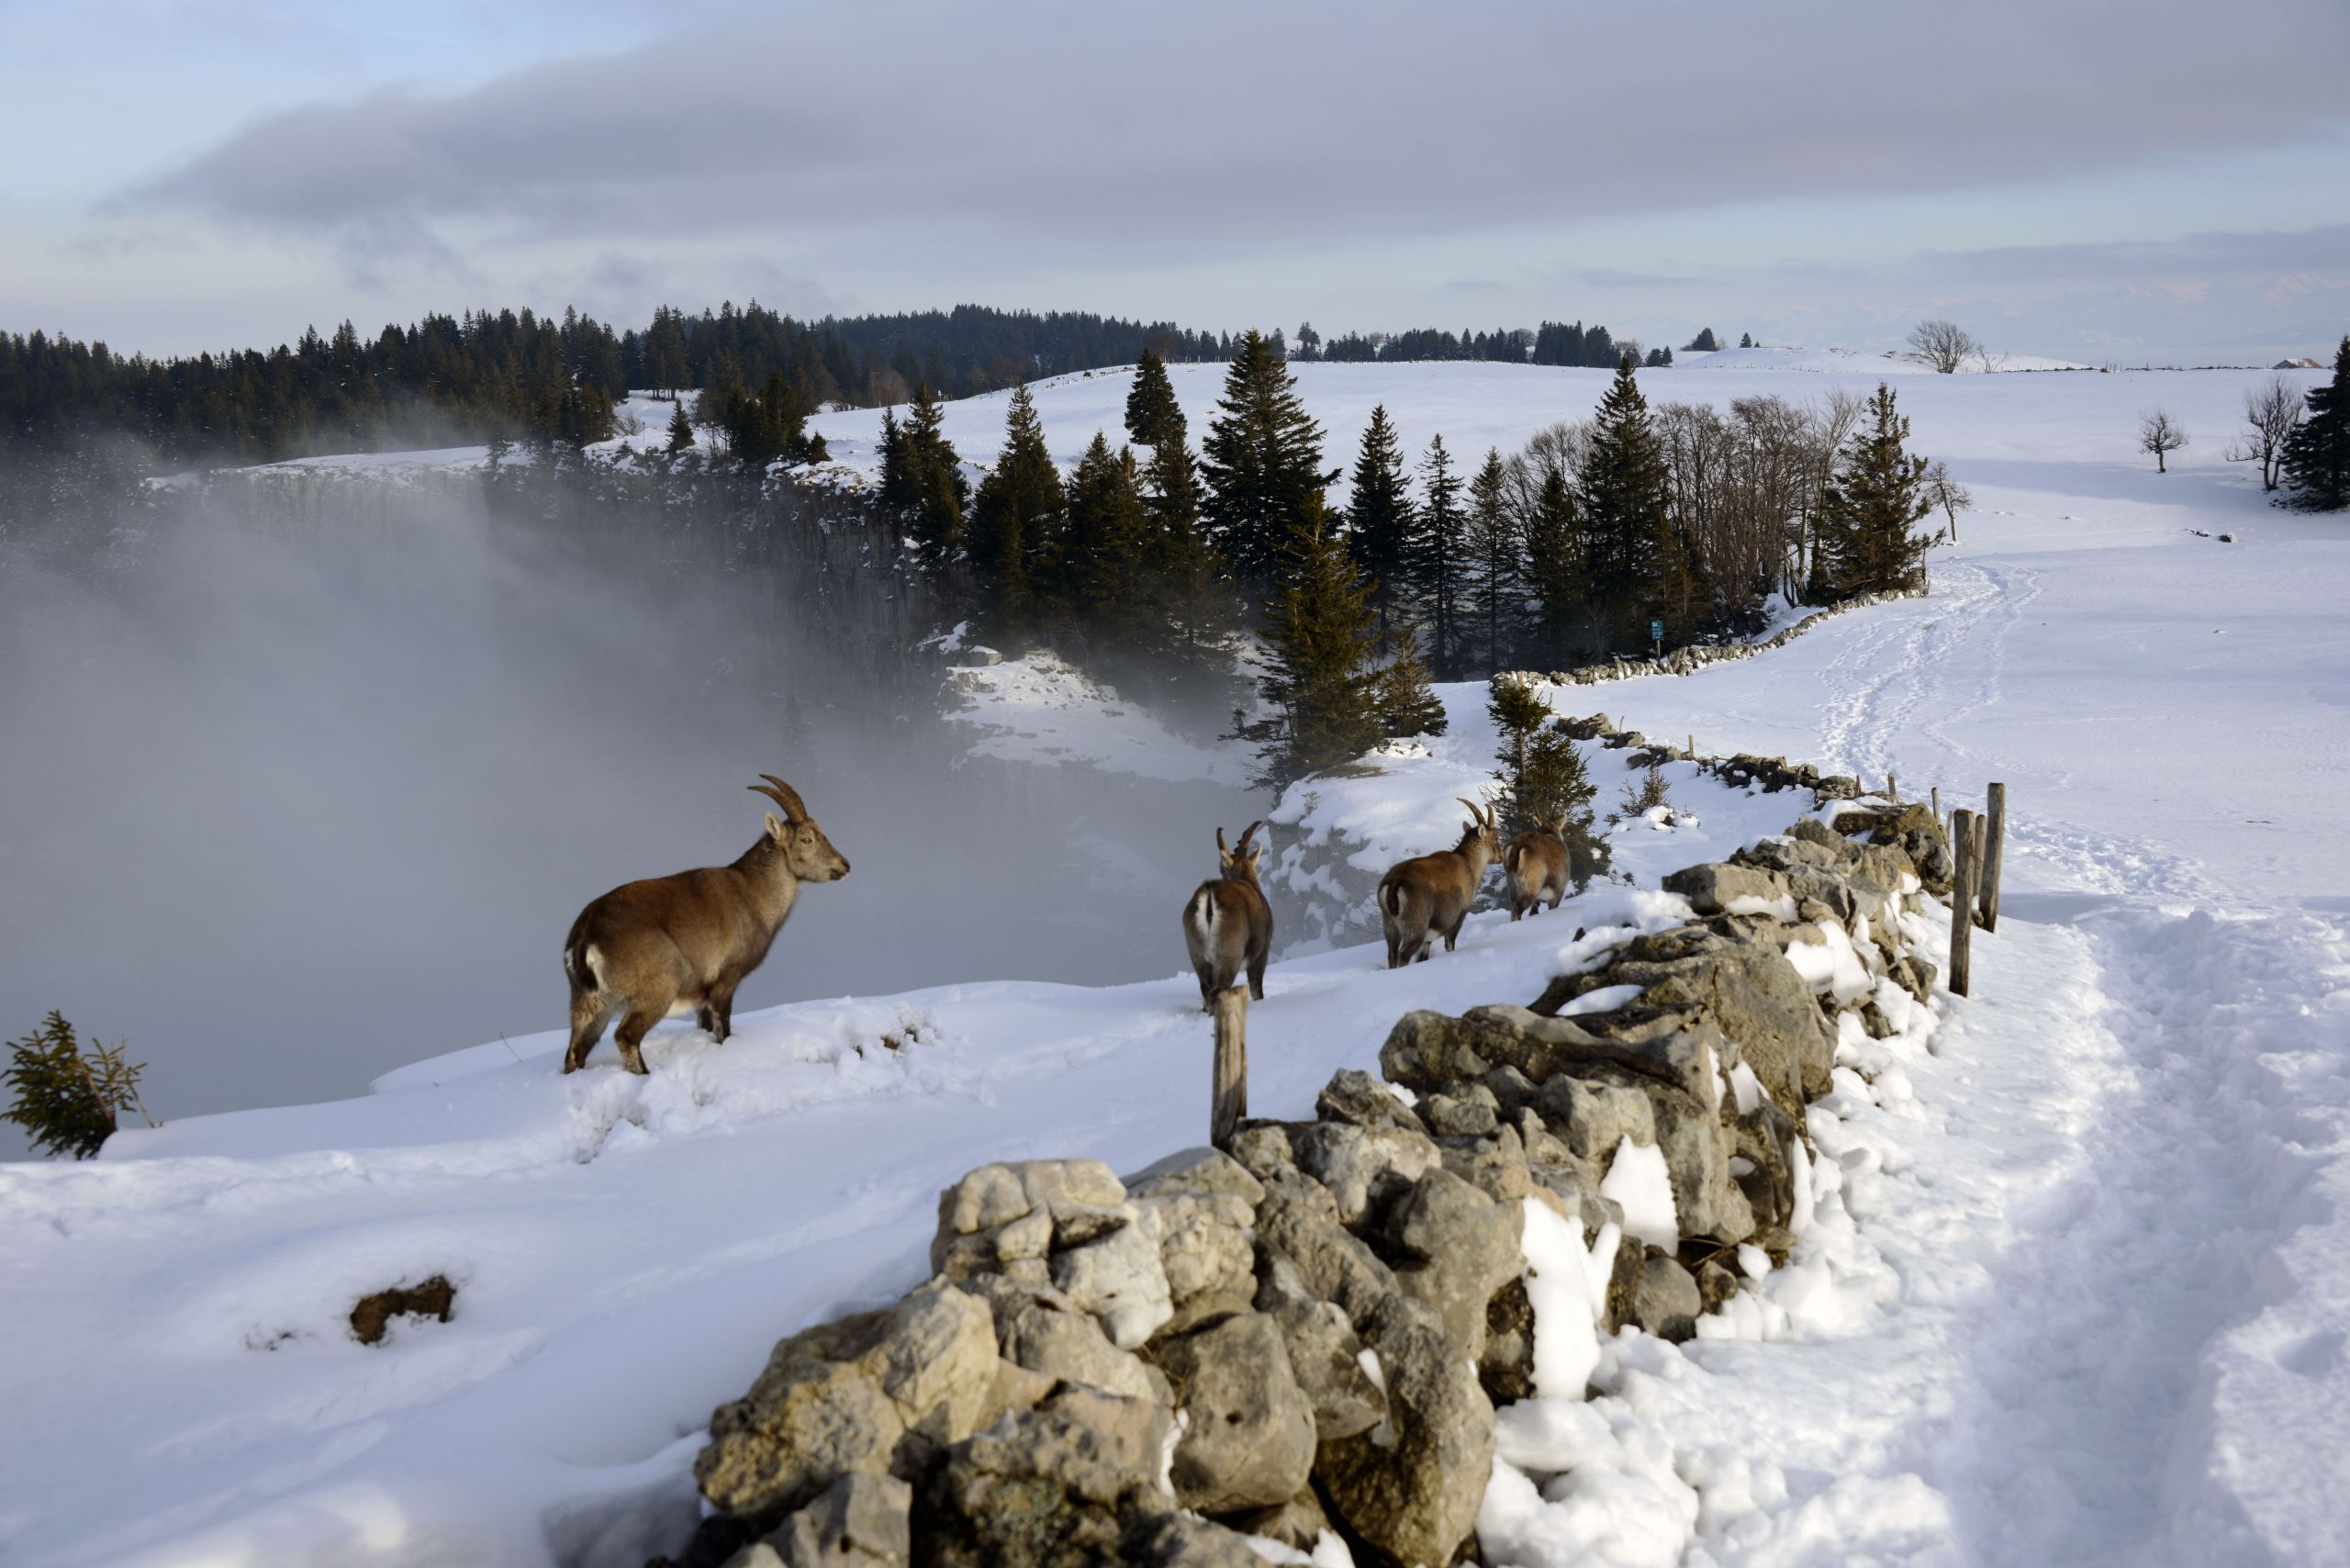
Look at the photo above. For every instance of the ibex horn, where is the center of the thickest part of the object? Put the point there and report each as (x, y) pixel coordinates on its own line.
(1221, 847)
(783, 795)
(1250, 835)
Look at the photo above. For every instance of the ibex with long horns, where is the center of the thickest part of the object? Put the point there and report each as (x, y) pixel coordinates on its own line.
(1228, 925)
(673, 945)
(1431, 894)
(1536, 866)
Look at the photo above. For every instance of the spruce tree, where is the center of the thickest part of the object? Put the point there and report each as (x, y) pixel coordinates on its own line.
(1437, 568)
(1152, 417)
(937, 490)
(681, 430)
(1628, 556)
(1189, 584)
(1016, 516)
(1104, 557)
(1495, 559)
(2317, 454)
(1320, 674)
(1378, 517)
(897, 486)
(1262, 461)
(1869, 513)
(1406, 700)
(1542, 775)
(1555, 569)
(67, 1099)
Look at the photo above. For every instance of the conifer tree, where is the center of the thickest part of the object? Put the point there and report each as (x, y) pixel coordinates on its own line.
(1262, 461)
(2317, 454)
(1542, 775)
(68, 1099)
(1406, 700)
(1379, 517)
(937, 492)
(1746, 340)
(1102, 569)
(1017, 516)
(1188, 581)
(1629, 554)
(1321, 678)
(1555, 568)
(1437, 570)
(1495, 559)
(681, 430)
(1152, 417)
(1869, 510)
(897, 487)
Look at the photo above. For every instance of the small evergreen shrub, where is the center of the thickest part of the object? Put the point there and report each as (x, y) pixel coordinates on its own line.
(68, 1098)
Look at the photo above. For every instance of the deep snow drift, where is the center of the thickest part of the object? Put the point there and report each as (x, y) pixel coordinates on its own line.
(2075, 1288)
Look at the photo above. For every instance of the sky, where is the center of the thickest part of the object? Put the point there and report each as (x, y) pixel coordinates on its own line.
(2113, 181)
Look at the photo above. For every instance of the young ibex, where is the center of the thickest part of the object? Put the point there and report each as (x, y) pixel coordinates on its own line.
(1228, 925)
(1431, 893)
(671, 945)
(1535, 866)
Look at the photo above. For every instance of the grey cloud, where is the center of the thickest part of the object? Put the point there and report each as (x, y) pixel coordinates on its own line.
(1104, 131)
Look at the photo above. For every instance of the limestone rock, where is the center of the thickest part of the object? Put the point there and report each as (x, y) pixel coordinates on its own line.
(1070, 1346)
(1297, 1523)
(1506, 1365)
(1248, 1435)
(1061, 1487)
(1411, 1489)
(1324, 1353)
(875, 1393)
(1715, 889)
(1119, 1278)
(1354, 1096)
(1299, 1221)
(1665, 1302)
(1207, 1246)
(1201, 1169)
(860, 1521)
(1359, 1164)
(1591, 1118)
(1459, 1247)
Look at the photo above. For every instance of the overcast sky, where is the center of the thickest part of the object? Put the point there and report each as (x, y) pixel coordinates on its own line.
(2108, 180)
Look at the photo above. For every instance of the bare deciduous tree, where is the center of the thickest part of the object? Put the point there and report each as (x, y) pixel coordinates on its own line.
(1948, 494)
(1945, 345)
(2271, 413)
(2160, 434)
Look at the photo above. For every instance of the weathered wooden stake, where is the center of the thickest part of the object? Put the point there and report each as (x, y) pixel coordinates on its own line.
(1982, 844)
(1937, 794)
(1231, 1085)
(1962, 896)
(1892, 790)
(1998, 793)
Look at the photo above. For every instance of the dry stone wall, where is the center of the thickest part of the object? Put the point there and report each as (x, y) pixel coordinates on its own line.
(1310, 1333)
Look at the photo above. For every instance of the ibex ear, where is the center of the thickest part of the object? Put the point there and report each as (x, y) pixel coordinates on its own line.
(775, 828)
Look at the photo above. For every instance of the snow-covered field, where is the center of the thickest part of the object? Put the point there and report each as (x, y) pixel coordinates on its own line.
(2077, 1291)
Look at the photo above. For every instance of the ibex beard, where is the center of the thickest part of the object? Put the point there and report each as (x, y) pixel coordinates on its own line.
(669, 946)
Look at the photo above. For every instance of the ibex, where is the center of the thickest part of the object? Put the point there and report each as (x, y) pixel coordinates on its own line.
(1536, 866)
(1431, 893)
(1228, 925)
(667, 946)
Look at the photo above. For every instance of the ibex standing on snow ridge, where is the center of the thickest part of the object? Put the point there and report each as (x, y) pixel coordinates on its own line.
(1228, 925)
(1431, 894)
(1535, 866)
(672, 944)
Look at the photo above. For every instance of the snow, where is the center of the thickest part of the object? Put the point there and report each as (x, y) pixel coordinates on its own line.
(1636, 1179)
(2074, 1252)
(1041, 709)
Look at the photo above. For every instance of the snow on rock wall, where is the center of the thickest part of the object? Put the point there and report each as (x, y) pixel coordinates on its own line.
(1372, 1333)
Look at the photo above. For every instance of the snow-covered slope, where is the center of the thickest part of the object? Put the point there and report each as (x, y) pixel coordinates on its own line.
(2077, 1289)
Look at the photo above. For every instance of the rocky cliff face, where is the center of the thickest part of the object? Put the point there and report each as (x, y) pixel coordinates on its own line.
(1311, 1332)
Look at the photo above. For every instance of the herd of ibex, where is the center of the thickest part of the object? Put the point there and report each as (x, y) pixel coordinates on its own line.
(669, 946)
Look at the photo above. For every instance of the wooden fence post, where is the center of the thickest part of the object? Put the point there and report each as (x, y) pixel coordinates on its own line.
(1962, 896)
(1990, 875)
(1892, 789)
(1230, 1101)
(1936, 792)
